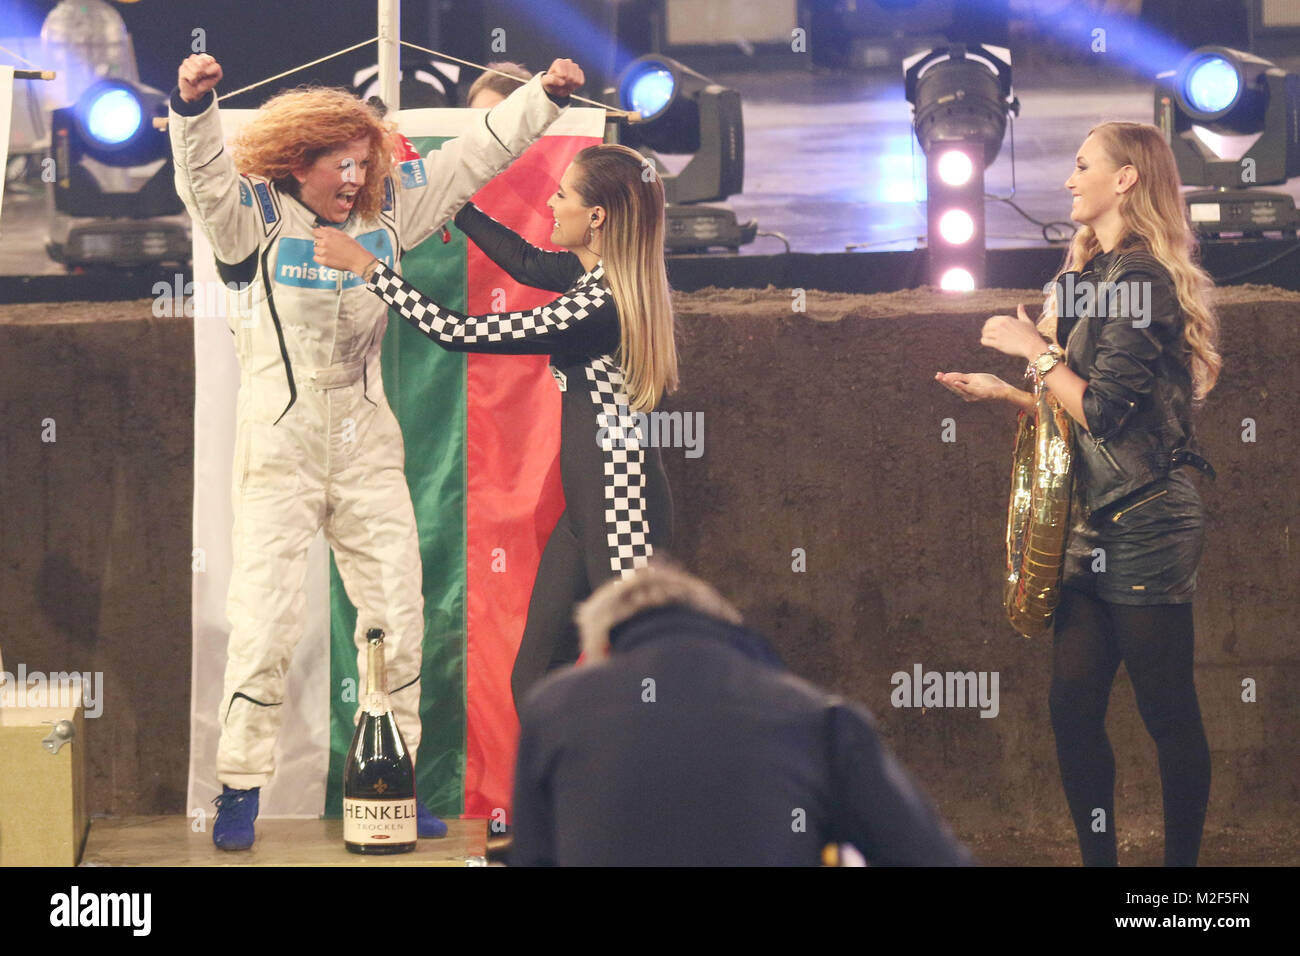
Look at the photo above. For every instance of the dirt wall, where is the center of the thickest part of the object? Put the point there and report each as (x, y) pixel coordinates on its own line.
(826, 503)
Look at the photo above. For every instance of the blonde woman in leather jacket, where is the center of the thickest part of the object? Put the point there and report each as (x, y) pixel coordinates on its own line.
(1129, 310)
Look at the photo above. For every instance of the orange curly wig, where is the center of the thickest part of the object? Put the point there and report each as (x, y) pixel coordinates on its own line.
(295, 128)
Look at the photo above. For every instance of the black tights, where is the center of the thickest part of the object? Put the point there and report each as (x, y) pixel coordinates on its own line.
(1155, 643)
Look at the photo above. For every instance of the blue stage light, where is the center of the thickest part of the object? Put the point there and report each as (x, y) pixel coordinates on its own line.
(649, 90)
(684, 113)
(1217, 96)
(1212, 84)
(113, 116)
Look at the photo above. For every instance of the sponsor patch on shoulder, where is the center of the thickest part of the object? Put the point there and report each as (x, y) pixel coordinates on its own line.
(245, 195)
(264, 200)
(388, 194)
(412, 172)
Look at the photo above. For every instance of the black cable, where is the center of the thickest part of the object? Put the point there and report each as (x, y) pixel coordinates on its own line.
(1043, 225)
(777, 235)
(1220, 280)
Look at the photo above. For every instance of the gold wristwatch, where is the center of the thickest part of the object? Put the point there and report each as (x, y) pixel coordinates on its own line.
(1040, 366)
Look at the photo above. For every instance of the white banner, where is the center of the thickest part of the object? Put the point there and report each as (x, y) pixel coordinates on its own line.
(6, 111)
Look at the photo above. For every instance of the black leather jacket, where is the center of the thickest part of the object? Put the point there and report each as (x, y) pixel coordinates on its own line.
(1126, 340)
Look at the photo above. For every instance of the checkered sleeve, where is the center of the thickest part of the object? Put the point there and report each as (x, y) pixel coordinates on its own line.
(556, 326)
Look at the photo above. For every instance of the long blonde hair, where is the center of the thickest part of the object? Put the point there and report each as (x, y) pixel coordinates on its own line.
(626, 185)
(1154, 215)
(295, 128)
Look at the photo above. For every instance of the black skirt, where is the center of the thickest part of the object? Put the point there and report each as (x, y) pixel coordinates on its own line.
(1143, 549)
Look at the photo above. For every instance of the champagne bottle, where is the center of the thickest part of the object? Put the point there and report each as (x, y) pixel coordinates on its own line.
(379, 782)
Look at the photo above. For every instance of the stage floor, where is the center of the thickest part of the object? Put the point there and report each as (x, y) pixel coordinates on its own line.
(1140, 843)
(172, 841)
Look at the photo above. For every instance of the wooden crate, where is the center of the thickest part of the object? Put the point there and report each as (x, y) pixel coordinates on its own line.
(43, 819)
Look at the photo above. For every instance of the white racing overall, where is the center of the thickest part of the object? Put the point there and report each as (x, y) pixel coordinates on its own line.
(316, 444)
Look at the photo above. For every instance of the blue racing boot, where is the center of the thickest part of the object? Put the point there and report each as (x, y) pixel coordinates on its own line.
(426, 824)
(236, 811)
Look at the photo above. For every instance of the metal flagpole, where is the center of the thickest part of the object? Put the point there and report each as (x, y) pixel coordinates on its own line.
(390, 28)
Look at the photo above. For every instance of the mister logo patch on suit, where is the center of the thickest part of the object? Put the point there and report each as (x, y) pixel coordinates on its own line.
(295, 265)
(412, 173)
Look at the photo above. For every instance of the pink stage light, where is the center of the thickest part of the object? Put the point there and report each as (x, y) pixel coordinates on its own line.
(956, 226)
(957, 280)
(955, 168)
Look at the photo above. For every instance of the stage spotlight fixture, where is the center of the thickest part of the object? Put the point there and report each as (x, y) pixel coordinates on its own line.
(113, 117)
(686, 113)
(1233, 122)
(960, 98)
(957, 279)
(1212, 85)
(956, 226)
(955, 167)
(114, 180)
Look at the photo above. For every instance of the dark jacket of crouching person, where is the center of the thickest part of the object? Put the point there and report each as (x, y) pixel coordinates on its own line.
(681, 740)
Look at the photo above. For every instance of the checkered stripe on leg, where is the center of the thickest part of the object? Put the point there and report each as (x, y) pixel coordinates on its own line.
(449, 326)
(622, 445)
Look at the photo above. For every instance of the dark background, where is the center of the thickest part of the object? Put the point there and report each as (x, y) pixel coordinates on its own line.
(253, 39)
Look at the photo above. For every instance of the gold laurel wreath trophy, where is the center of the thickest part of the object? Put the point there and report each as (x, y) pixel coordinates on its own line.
(1038, 514)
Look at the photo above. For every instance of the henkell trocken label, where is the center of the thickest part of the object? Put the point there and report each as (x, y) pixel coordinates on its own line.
(379, 821)
(379, 808)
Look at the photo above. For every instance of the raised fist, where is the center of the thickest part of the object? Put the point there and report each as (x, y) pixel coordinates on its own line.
(562, 78)
(197, 74)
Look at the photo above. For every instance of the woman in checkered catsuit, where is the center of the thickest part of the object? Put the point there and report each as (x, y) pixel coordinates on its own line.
(610, 339)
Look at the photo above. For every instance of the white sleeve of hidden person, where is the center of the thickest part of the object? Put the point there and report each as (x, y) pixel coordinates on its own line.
(465, 164)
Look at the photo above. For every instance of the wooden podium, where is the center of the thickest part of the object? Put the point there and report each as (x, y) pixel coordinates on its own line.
(43, 820)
